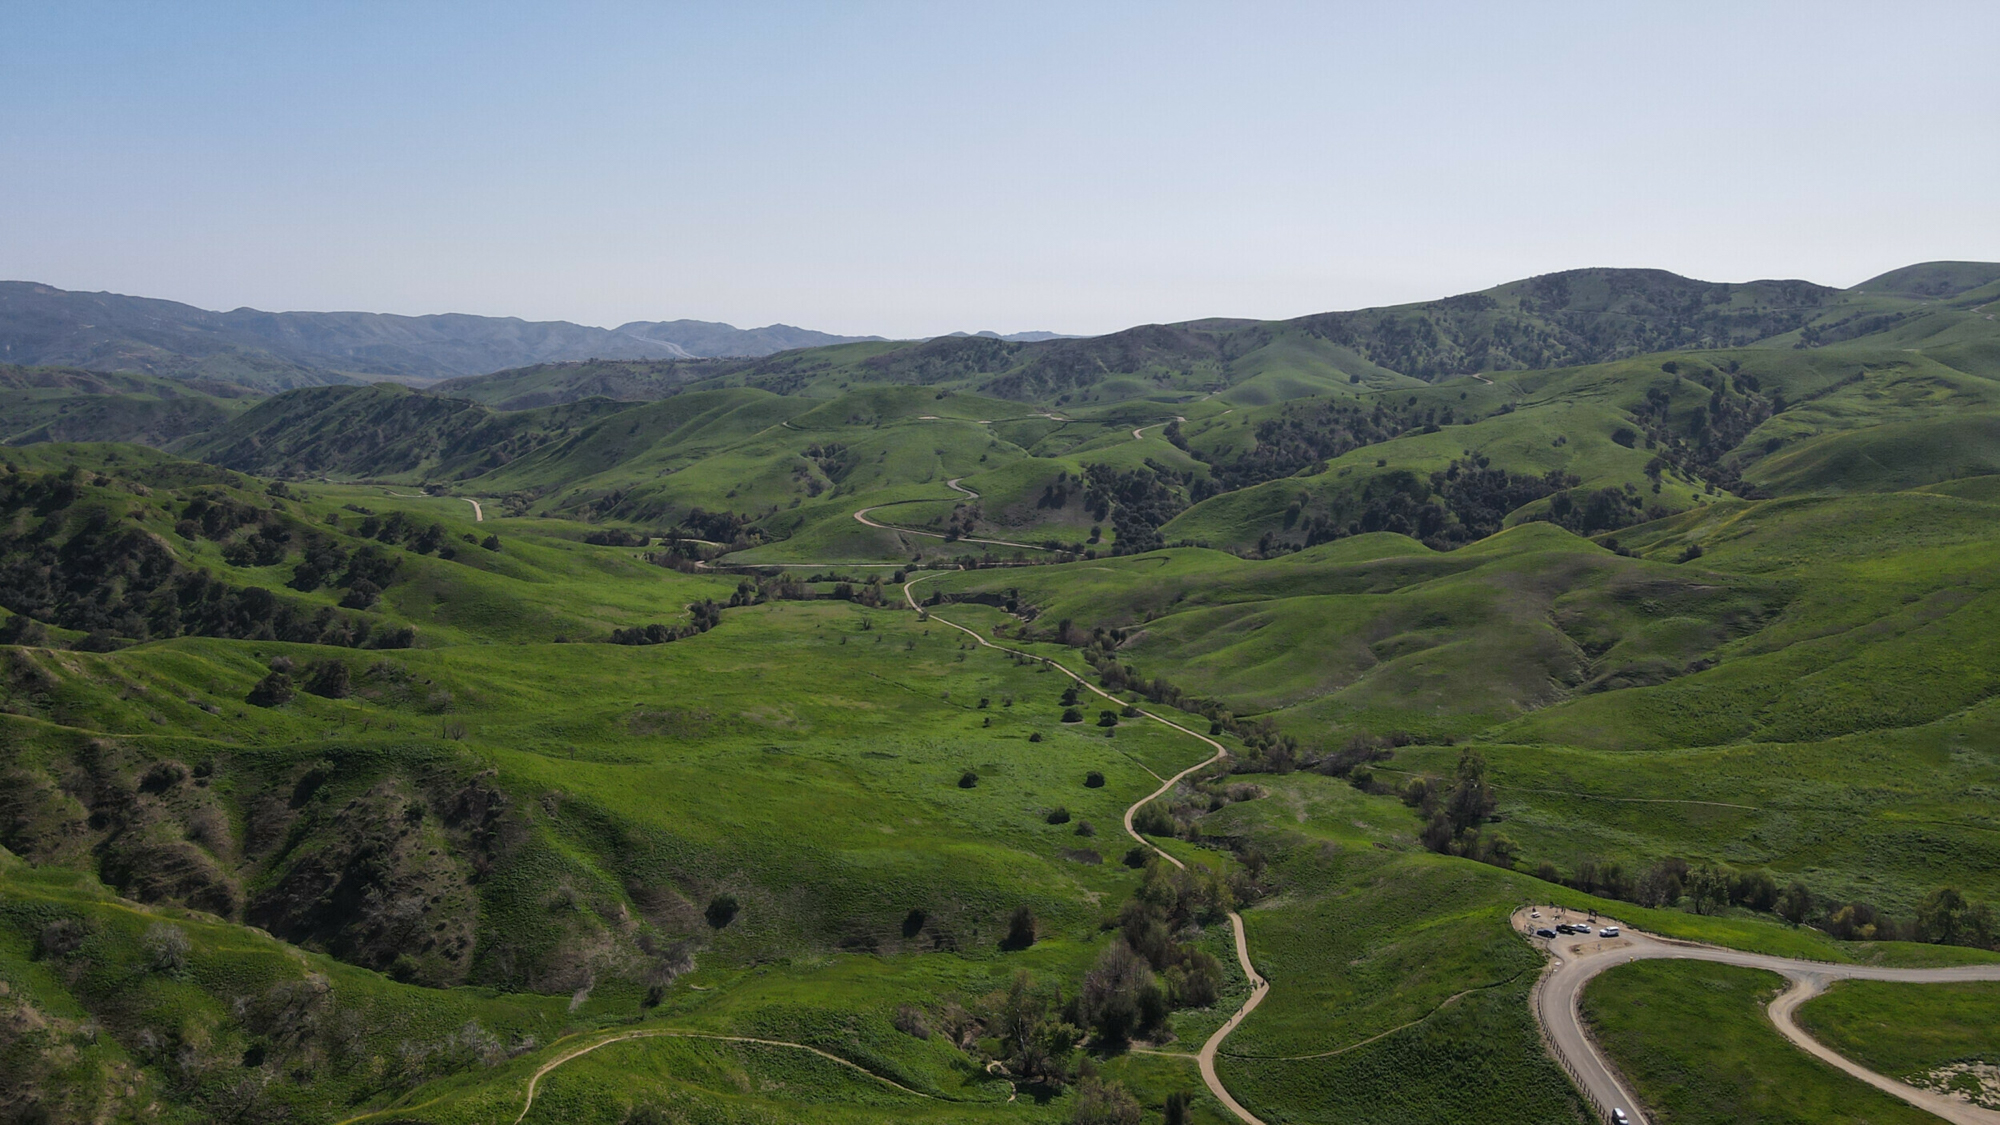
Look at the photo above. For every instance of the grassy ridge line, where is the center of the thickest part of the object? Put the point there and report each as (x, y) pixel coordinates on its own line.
(580, 1052)
(1259, 987)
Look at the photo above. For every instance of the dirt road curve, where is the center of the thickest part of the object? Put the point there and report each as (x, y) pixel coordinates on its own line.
(1259, 987)
(478, 513)
(952, 484)
(1578, 958)
(1138, 433)
(536, 1078)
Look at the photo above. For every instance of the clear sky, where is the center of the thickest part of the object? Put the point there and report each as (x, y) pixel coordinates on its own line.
(912, 169)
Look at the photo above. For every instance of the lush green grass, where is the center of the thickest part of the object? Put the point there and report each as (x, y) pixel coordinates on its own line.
(1693, 1039)
(555, 823)
(1907, 1031)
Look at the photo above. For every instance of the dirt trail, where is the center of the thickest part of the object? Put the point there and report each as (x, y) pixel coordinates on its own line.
(1578, 958)
(1259, 987)
(1136, 433)
(952, 484)
(478, 513)
(535, 1079)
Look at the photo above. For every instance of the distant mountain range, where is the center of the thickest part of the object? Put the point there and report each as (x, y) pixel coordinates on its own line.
(43, 325)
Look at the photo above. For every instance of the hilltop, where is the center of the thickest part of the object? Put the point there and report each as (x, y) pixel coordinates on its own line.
(1258, 438)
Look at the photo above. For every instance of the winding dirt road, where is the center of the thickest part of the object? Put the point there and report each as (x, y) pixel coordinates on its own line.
(1259, 987)
(952, 484)
(1578, 958)
(1137, 434)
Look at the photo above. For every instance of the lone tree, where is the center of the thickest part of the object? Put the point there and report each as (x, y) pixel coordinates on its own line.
(1795, 903)
(1020, 928)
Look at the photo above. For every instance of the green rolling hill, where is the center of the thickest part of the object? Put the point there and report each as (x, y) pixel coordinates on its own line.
(696, 740)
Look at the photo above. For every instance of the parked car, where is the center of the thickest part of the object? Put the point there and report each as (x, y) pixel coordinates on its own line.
(1565, 928)
(1608, 931)
(1545, 932)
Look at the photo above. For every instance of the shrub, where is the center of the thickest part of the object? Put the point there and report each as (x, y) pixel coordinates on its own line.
(1035, 737)
(1072, 715)
(329, 679)
(910, 1021)
(1104, 1103)
(1084, 828)
(1152, 820)
(271, 691)
(967, 780)
(721, 910)
(1059, 815)
(1094, 779)
(167, 949)
(1107, 718)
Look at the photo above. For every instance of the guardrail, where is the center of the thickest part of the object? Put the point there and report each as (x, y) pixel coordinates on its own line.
(1556, 1053)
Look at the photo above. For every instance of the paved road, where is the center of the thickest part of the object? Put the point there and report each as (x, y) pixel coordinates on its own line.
(1578, 958)
(1259, 987)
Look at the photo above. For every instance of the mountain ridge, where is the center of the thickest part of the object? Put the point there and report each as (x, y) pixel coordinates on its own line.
(42, 325)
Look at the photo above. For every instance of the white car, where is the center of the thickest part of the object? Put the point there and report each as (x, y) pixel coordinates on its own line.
(1608, 931)
(1618, 1116)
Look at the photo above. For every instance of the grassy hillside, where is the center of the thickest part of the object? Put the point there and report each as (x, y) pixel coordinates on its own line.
(58, 404)
(408, 743)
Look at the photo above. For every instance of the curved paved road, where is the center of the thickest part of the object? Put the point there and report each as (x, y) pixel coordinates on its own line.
(1578, 958)
(1259, 987)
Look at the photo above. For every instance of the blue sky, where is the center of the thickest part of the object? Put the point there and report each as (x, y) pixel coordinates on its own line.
(910, 169)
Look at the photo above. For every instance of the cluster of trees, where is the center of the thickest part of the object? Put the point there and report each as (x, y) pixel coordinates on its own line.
(1150, 969)
(400, 529)
(702, 616)
(718, 527)
(1945, 916)
(329, 679)
(1604, 509)
(617, 537)
(1696, 443)
(1455, 813)
(1305, 435)
(832, 459)
(80, 569)
(1136, 501)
